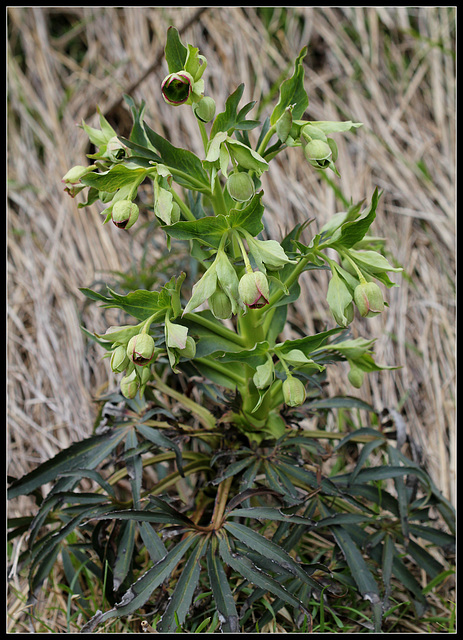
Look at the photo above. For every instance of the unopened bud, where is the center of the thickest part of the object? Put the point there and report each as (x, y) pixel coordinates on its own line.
(369, 299)
(189, 350)
(141, 349)
(75, 174)
(119, 359)
(176, 88)
(204, 110)
(253, 289)
(355, 376)
(293, 392)
(240, 186)
(129, 386)
(220, 305)
(124, 214)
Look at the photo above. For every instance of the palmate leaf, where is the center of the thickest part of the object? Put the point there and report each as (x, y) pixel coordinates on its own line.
(86, 454)
(186, 168)
(124, 553)
(223, 597)
(362, 575)
(270, 551)
(141, 590)
(248, 570)
(180, 601)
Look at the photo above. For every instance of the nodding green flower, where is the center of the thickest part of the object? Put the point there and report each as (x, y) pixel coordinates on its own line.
(240, 186)
(177, 87)
(220, 305)
(204, 110)
(293, 392)
(318, 153)
(140, 349)
(124, 214)
(253, 289)
(119, 359)
(129, 386)
(369, 299)
(115, 150)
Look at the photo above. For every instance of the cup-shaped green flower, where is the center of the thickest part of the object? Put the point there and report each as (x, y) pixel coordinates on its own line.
(129, 386)
(119, 359)
(204, 110)
(140, 349)
(176, 88)
(124, 214)
(369, 299)
(240, 186)
(318, 153)
(253, 289)
(220, 305)
(293, 391)
(115, 150)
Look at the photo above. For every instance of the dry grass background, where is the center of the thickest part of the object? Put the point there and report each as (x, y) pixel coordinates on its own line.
(391, 68)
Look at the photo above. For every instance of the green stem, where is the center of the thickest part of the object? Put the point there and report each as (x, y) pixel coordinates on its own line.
(223, 369)
(266, 140)
(187, 214)
(219, 329)
(290, 280)
(203, 414)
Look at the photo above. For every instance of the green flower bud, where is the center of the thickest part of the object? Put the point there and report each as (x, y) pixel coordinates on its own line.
(240, 186)
(175, 213)
(190, 348)
(141, 349)
(253, 289)
(264, 374)
(204, 110)
(124, 214)
(318, 153)
(119, 359)
(176, 88)
(72, 179)
(355, 375)
(293, 392)
(129, 386)
(75, 174)
(220, 305)
(369, 299)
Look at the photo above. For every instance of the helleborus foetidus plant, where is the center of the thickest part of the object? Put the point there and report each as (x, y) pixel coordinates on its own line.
(240, 450)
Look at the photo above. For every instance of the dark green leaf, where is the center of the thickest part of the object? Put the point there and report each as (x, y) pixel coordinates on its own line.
(118, 176)
(152, 541)
(186, 167)
(272, 514)
(159, 439)
(175, 51)
(269, 550)
(180, 601)
(227, 120)
(292, 92)
(141, 590)
(352, 232)
(249, 217)
(246, 568)
(223, 597)
(208, 230)
(124, 553)
(85, 454)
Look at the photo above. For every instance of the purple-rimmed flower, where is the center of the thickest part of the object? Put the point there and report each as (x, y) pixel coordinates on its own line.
(253, 290)
(177, 87)
(140, 349)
